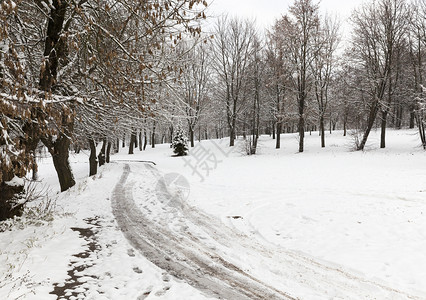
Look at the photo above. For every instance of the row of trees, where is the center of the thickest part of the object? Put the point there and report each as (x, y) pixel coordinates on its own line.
(81, 70)
(299, 76)
(93, 71)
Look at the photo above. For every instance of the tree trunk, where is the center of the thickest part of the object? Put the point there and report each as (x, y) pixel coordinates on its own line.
(153, 140)
(278, 140)
(132, 142)
(322, 130)
(93, 163)
(301, 132)
(245, 127)
(54, 49)
(254, 148)
(344, 128)
(232, 128)
(101, 155)
(145, 139)
(8, 209)
(123, 144)
(370, 123)
(108, 152)
(140, 140)
(8, 192)
(60, 154)
(53, 46)
(231, 137)
(191, 135)
(153, 135)
(421, 127)
(34, 168)
(273, 130)
(383, 129)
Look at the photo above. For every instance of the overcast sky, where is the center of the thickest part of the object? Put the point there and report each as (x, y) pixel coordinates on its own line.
(266, 11)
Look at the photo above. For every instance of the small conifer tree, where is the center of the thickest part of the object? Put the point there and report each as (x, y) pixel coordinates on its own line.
(180, 143)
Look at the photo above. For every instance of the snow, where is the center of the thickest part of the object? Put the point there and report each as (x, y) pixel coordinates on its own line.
(34, 258)
(16, 181)
(361, 213)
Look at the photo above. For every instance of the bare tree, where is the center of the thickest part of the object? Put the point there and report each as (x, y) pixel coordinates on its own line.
(417, 53)
(232, 52)
(379, 27)
(195, 83)
(302, 29)
(278, 73)
(322, 66)
(256, 69)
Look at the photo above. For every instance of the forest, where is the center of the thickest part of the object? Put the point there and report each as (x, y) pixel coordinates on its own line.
(75, 74)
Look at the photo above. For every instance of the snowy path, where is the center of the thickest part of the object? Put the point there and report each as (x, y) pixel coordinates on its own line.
(219, 261)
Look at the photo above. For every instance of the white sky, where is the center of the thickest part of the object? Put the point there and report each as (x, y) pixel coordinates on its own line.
(266, 11)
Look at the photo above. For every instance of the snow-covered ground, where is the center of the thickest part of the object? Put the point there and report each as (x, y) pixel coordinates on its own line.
(361, 214)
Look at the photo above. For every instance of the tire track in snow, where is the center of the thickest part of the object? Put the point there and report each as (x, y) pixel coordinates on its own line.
(182, 256)
(300, 269)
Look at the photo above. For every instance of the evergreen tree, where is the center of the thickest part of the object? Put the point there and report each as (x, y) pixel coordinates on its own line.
(180, 143)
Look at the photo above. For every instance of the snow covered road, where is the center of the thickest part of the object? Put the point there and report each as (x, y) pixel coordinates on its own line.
(184, 255)
(220, 261)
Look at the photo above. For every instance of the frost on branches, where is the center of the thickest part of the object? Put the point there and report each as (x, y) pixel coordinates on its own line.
(180, 143)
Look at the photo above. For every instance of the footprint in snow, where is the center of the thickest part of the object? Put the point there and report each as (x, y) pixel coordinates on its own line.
(163, 291)
(145, 294)
(131, 252)
(165, 278)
